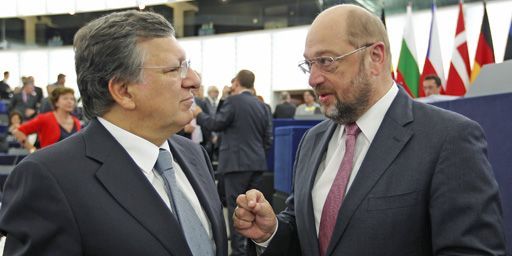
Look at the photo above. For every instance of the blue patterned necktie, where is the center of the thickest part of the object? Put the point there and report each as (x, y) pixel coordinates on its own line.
(197, 238)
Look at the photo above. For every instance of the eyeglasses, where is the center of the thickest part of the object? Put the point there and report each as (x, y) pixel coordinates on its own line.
(325, 62)
(182, 69)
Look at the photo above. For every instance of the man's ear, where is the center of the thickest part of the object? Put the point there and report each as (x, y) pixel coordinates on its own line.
(121, 94)
(378, 57)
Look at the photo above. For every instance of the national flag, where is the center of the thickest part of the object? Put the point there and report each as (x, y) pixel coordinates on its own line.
(484, 51)
(383, 19)
(408, 73)
(433, 62)
(458, 75)
(508, 50)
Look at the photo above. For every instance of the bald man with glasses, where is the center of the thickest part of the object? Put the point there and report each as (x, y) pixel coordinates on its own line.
(384, 175)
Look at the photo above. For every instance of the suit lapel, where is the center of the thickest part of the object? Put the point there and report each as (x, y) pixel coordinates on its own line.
(390, 139)
(322, 138)
(200, 181)
(123, 179)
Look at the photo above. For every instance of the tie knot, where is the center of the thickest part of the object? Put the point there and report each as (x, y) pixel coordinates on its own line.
(352, 129)
(164, 161)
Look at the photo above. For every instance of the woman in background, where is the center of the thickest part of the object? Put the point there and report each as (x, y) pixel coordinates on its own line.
(15, 120)
(310, 107)
(54, 126)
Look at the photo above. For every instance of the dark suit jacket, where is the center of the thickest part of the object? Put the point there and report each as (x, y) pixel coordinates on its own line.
(86, 196)
(19, 105)
(246, 124)
(5, 91)
(46, 106)
(425, 187)
(284, 110)
(206, 133)
(212, 108)
(204, 106)
(39, 94)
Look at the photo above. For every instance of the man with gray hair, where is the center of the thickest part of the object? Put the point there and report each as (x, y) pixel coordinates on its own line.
(25, 102)
(212, 99)
(286, 109)
(126, 185)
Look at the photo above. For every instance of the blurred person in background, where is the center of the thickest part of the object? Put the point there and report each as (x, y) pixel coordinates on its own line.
(61, 80)
(53, 126)
(46, 105)
(15, 119)
(226, 92)
(193, 131)
(211, 102)
(38, 91)
(246, 127)
(5, 89)
(431, 85)
(212, 98)
(285, 109)
(8, 141)
(262, 100)
(205, 134)
(26, 101)
(309, 107)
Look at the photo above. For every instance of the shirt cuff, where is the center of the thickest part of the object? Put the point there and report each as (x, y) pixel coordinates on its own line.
(260, 247)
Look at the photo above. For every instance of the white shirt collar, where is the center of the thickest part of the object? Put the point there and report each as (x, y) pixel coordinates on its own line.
(370, 121)
(143, 152)
(211, 99)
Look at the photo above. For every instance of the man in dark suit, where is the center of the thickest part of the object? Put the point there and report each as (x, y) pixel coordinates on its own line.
(286, 109)
(25, 102)
(385, 175)
(211, 98)
(189, 131)
(37, 90)
(247, 134)
(206, 134)
(114, 189)
(5, 89)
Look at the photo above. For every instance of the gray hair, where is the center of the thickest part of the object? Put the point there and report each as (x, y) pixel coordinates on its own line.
(107, 48)
(285, 96)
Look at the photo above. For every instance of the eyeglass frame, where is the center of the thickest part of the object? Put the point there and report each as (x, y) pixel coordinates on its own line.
(305, 65)
(182, 68)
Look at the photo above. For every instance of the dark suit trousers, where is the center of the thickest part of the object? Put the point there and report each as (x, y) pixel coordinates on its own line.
(235, 184)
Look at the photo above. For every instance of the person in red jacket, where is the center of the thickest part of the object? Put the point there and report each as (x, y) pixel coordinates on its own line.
(54, 126)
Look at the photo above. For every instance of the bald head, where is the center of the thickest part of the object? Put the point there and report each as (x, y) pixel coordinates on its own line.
(350, 24)
(347, 53)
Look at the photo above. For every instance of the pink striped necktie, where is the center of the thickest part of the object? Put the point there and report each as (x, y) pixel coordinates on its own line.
(338, 188)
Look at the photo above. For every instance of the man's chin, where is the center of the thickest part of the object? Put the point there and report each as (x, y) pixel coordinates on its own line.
(186, 119)
(329, 111)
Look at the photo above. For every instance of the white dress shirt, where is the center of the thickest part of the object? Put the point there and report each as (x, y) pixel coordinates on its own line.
(145, 154)
(369, 124)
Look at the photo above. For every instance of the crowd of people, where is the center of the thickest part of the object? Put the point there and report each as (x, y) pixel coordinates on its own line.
(50, 119)
(382, 175)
